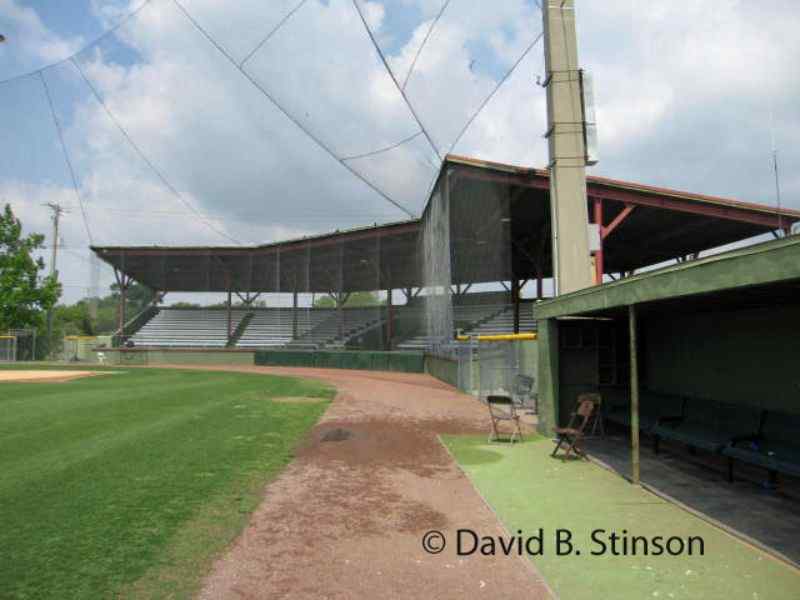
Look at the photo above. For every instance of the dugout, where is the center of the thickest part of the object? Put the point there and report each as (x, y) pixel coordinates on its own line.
(718, 332)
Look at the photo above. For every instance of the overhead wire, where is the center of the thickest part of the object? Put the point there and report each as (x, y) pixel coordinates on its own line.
(146, 160)
(424, 41)
(240, 67)
(287, 114)
(394, 79)
(386, 149)
(488, 98)
(67, 159)
(272, 32)
(91, 44)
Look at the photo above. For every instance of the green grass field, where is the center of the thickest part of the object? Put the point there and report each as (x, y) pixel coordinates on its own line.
(128, 484)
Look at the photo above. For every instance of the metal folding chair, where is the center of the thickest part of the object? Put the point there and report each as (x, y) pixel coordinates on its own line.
(502, 408)
(524, 396)
(572, 435)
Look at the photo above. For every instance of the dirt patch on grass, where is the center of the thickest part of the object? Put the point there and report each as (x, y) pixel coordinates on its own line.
(46, 376)
(298, 400)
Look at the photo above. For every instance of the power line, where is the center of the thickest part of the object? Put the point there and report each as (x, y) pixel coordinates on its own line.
(424, 41)
(66, 154)
(147, 161)
(286, 113)
(394, 79)
(494, 91)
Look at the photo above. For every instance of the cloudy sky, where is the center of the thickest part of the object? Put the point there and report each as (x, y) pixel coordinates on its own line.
(261, 135)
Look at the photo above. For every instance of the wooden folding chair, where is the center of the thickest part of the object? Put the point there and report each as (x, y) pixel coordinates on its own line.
(573, 435)
(596, 420)
(502, 408)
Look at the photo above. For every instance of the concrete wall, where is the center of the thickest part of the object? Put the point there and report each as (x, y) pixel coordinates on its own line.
(177, 357)
(443, 369)
(746, 356)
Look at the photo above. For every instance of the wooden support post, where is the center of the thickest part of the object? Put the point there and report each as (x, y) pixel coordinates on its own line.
(123, 281)
(294, 315)
(230, 320)
(123, 301)
(634, 396)
(539, 283)
(339, 315)
(389, 319)
(340, 299)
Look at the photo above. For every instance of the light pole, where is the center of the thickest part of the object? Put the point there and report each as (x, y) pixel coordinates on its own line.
(565, 135)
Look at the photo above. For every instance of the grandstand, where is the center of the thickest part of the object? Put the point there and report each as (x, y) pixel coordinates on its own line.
(278, 327)
(486, 226)
(182, 328)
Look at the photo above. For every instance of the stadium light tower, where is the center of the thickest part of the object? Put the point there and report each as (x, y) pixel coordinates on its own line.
(566, 134)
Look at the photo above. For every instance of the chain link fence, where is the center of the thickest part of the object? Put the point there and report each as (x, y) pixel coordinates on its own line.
(488, 368)
(8, 348)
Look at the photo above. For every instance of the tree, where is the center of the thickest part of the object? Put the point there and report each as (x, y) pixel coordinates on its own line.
(354, 300)
(25, 295)
(137, 298)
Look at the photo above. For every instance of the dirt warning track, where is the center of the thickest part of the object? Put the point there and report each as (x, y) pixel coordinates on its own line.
(43, 376)
(347, 517)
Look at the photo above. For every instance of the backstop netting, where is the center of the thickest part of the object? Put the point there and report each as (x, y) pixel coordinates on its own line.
(192, 123)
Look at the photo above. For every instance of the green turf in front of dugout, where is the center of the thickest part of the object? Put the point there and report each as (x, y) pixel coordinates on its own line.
(530, 490)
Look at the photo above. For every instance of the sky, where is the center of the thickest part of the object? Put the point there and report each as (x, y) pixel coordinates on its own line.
(248, 121)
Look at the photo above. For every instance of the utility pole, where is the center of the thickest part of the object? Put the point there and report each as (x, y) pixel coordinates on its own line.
(567, 149)
(57, 212)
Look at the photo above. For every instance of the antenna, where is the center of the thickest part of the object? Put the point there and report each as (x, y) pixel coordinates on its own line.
(775, 168)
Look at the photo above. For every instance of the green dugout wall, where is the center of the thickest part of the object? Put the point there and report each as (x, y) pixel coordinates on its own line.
(724, 328)
(748, 356)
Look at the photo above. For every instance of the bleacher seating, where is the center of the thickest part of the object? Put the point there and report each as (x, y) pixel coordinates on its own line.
(274, 327)
(182, 328)
(355, 321)
(503, 322)
(316, 327)
(480, 319)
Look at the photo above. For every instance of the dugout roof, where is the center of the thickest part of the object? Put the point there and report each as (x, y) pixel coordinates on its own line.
(641, 226)
(766, 274)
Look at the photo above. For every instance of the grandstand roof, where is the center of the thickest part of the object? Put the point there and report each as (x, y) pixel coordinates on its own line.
(650, 225)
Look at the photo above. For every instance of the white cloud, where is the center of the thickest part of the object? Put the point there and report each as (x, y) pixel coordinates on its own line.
(34, 44)
(683, 93)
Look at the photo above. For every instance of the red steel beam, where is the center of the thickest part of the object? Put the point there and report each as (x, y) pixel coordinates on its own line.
(606, 231)
(732, 210)
(730, 213)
